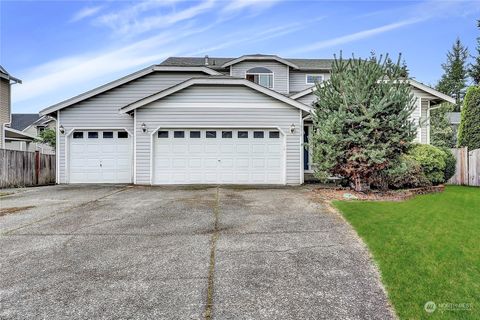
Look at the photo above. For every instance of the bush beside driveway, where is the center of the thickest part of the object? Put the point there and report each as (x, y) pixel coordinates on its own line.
(189, 253)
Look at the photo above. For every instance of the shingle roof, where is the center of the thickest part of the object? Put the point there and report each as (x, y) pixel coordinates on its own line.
(213, 62)
(22, 120)
(217, 62)
(312, 64)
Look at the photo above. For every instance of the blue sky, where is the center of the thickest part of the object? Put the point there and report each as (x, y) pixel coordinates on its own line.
(63, 48)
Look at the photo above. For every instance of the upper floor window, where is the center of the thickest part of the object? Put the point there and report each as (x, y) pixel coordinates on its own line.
(261, 76)
(313, 78)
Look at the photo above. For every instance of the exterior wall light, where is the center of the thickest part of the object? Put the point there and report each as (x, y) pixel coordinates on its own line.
(61, 129)
(292, 128)
(144, 127)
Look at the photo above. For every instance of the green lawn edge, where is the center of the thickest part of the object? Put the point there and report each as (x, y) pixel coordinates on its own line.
(426, 248)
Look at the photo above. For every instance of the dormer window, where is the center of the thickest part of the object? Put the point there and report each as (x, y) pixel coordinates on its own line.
(313, 78)
(261, 76)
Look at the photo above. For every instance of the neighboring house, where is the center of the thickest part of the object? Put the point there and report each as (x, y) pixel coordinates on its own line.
(454, 119)
(8, 134)
(31, 124)
(200, 120)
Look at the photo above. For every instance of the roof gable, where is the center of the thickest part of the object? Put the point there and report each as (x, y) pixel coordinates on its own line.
(213, 81)
(434, 93)
(124, 80)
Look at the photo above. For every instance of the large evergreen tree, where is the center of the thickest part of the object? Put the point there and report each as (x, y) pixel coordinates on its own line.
(454, 79)
(361, 119)
(441, 131)
(469, 130)
(475, 66)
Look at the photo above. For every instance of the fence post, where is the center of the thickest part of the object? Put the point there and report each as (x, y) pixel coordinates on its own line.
(37, 166)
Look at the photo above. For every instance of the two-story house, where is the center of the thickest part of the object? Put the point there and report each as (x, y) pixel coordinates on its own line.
(202, 120)
(30, 124)
(10, 136)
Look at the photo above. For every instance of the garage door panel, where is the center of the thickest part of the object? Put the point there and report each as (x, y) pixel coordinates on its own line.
(242, 177)
(258, 163)
(163, 148)
(179, 177)
(180, 149)
(197, 148)
(223, 159)
(258, 148)
(108, 164)
(226, 163)
(109, 148)
(243, 163)
(211, 148)
(274, 148)
(163, 163)
(124, 149)
(211, 163)
(273, 163)
(230, 148)
(180, 163)
(211, 178)
(243, 148)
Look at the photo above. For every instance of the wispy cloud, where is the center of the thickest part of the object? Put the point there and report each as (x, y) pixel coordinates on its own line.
(85, 13)
(146, 16)
(354, 36)
(71, 73)
(237, 5)
(252, 35)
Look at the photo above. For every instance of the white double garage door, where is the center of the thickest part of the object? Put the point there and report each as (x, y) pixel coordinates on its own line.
(181, 156)
(218, 156)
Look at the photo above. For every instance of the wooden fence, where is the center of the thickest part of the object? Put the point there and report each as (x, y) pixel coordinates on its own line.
(468, 167)
(25, 169)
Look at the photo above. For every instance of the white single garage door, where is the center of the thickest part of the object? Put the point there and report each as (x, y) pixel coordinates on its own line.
(218, 156)
(100, 156)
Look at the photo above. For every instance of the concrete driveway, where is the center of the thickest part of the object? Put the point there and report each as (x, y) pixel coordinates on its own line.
(117, 252)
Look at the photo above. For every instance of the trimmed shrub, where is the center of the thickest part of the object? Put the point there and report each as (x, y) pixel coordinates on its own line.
(469, 129)
(450, 164)
(431, 160)
(404, 173)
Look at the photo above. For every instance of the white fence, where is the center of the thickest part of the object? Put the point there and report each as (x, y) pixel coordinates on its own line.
(468, 167)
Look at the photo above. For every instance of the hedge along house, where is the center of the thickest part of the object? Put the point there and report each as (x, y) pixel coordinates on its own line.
(200, 121)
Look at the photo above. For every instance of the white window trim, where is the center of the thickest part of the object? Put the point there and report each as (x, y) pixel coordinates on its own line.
(313, 75)
(256, 73)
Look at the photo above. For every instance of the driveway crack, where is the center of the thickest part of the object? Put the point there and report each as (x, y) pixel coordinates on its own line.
(211, 268)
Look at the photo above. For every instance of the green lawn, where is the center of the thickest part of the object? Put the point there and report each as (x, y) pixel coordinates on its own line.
(427, 248)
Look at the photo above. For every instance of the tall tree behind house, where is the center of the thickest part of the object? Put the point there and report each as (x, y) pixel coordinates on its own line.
(454, 79)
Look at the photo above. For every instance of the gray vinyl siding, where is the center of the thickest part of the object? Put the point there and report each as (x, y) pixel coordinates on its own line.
(421, 110)
(424, 129)
(280, 72)
(307, 99)
(101, 111)
(4, 107)
(298, 80)
(220, 107)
